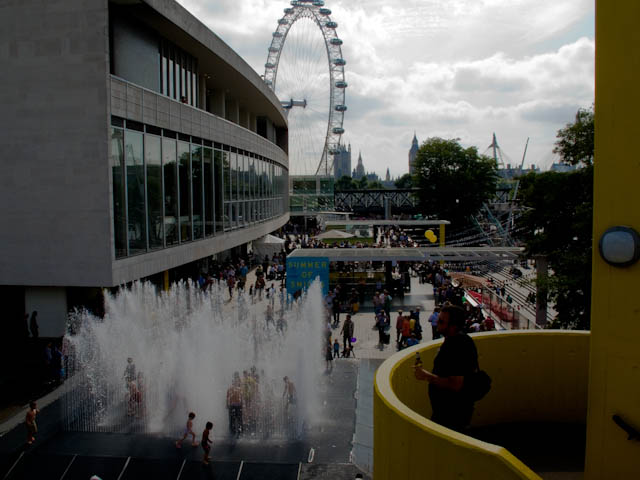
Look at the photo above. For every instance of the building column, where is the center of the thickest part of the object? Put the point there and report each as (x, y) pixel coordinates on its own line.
(253, 123)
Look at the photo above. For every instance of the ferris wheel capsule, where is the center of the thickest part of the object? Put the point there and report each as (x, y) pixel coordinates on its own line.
(338, 130)
(269, 65)
(277, 35)
(325, 11)
(335, 41)
(341, 108)
(334, 151)
(332, 24)
(340, 62)
(341, 84)
(283, 21)
(288, 11)
(318, 3)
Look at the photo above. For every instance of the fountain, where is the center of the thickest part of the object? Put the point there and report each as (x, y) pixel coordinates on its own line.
(185, 345)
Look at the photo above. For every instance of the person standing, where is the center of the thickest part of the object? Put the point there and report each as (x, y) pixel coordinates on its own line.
(433, 320)
(30, 422)
(33, 325)
(347, 332)
(234, 405)
(328, 356)
(455, 361)
(336, 348)
(399, 323)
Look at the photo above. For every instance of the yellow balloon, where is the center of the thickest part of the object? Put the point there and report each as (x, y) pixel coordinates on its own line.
(429, 235)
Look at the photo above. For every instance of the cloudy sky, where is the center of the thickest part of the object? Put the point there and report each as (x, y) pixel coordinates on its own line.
(448, 68)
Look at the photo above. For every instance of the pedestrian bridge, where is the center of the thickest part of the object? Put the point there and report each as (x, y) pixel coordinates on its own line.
(539, 378)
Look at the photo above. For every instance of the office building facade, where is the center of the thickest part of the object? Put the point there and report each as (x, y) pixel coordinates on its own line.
(134, 141)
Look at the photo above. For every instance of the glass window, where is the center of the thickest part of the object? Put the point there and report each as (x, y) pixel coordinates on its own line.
(207, 162)
(170, 173)
(136, 209)
(184, 182)
(226, 175)
(188, 79)
(171, 73)
(218, 190)
(197, 187)
(153, 164)
(252, 178)
(119, 197)
(234, 176)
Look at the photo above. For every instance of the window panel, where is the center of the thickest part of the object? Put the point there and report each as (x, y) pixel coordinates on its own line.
(197, 187)
(119, 197)
(207, 161)
(170, 179)
(153, 165)
(218, 190)
(184, 182)
(136, 209)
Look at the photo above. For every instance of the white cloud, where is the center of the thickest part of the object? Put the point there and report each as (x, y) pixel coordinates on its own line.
(460, 68)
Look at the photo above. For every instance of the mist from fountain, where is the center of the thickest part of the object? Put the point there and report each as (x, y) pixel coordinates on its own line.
(186, 344)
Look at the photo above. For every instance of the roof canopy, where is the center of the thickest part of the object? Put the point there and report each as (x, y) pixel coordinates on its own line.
(447, 254)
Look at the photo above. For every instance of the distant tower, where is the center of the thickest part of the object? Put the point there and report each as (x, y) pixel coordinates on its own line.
(342, 162)
(359, 171)
(387, 177)
(412, 154)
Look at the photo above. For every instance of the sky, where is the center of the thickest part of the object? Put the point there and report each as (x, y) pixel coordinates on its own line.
(442, 68)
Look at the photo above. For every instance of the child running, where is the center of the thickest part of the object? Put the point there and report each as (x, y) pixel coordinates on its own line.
(188, 430)
(206, 443)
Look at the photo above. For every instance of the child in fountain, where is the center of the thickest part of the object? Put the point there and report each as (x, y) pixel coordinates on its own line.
(30, 421)
(188, 430)
(206, 443)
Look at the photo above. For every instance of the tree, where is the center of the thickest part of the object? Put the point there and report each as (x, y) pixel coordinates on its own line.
(575, 140)
(453, 181)
(558, 222)
(345, 183)
(375, 185)
(361, 183)
(405, 181)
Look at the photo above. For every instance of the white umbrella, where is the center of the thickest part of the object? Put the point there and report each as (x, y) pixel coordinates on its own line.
(334, 234)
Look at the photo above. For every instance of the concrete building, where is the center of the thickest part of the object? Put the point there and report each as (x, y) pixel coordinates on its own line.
(342, 162)
(134, 142)
(413, 151)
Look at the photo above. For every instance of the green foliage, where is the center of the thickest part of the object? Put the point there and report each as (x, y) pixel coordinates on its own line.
(453, 181)
(345, 183)
(362, 183)
(558, 224)
(375, 185)
(575, 141)
(405, 181)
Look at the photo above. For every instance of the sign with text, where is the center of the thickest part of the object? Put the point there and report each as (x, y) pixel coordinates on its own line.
(302, 271)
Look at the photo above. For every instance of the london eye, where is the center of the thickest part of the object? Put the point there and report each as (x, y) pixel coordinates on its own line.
(305, 69)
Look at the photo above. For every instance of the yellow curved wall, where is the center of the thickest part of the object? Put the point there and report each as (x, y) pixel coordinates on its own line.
(536, 376)
(614, 386)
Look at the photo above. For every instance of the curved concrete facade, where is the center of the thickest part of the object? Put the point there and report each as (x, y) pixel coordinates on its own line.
(537, 376)
(69, 70)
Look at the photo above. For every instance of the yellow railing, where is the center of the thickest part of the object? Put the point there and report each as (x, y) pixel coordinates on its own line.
(537, 376)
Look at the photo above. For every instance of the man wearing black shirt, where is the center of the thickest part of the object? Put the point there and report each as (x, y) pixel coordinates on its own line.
(457, 359)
